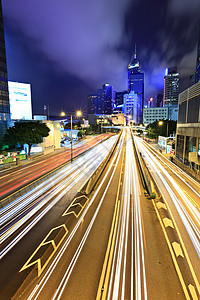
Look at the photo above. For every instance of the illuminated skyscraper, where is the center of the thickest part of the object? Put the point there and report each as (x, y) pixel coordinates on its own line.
(4, 96)
(92, 103)
(136, 84)
(197, 73)
(101, 102)
(171, 91)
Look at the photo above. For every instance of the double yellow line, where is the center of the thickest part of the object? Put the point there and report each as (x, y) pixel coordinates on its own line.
(105, 274)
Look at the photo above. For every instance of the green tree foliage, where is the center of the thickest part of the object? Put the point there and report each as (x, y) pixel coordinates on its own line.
(154, 129)
(26, 133)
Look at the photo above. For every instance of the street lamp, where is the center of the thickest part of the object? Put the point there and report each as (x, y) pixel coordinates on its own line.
(78, 114)
(160, 123)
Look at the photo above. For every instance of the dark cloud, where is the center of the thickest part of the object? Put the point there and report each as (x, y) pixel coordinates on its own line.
(68, 49)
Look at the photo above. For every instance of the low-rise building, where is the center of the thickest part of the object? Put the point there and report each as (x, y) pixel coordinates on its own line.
(51, 142)
(188, 127)
(153, 114)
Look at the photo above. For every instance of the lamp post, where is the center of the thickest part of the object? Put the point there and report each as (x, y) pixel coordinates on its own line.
(78, 114)
(160, 123)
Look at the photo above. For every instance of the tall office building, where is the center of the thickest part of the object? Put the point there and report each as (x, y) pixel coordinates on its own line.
(171, 91)
(158, 100)
(92, 103)
(4, 96)
(131, 107)
(197, 73)
(136, 84)
(119, 98)
(108, 101)
(101, 102)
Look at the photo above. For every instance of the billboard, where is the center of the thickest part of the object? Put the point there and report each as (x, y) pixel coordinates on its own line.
(20, 100)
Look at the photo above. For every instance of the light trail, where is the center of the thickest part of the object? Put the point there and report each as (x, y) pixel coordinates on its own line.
(130, 214)
(171, 166)
(81, 167)
(46, 276)
(185, 217)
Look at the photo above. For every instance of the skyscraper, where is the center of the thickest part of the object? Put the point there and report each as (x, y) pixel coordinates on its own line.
(197, 73)
(171, 91)
(158, 100)
(108, 101)
(4, 96)
(92, 103)
(131, 107)
(136, 84)
(101, 102)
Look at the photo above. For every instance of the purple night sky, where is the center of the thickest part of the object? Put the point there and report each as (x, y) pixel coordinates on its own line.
(68, 49)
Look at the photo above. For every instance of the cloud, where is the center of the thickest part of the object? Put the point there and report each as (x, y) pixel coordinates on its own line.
(184, 7)
(81, 37)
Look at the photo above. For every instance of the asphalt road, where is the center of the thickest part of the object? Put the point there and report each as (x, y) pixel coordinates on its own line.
(14, 178)
(23, 232)
(117, 242)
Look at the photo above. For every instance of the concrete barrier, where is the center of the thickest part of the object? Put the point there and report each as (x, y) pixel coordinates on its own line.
(146, 178)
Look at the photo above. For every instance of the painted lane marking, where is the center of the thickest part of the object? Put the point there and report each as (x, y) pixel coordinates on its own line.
(67, 212)
(172, 253)
(45, 241)
(161, 205)
(193, 292)
(168, 223)
(177, 249)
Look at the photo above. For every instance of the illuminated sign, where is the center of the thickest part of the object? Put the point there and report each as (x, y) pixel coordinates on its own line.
(20, 100)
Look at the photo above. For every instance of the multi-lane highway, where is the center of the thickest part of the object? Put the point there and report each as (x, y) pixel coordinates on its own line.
(114, 243)
(14, 178)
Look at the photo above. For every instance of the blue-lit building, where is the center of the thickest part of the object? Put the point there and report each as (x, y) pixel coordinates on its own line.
(108, 99)
(131, 107)
(92, 103)
(171, 91)
(5, 120)
(136, 85)
(101, 102)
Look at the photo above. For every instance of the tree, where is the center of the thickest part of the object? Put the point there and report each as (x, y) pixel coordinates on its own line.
(154, 129)
(26, 133)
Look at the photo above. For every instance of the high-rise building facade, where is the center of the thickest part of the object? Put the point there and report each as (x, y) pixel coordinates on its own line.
(197, 73)
(136, 84)
(4, 96)
(101, 102)
(158, 100)
(131, 107)
(92, 103)
(171, 91)
(108, 101)
(119, 98)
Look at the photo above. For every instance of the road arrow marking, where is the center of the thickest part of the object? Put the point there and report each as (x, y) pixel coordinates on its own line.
(177, 249)
(161, 205)
(193, 292)
(168, 223)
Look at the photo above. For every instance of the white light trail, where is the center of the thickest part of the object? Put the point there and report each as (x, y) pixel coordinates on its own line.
(39, 287)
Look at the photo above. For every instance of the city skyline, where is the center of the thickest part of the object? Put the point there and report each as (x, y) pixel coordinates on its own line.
(69, 58)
